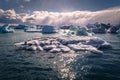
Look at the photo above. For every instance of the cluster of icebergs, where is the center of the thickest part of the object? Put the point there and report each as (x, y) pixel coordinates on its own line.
(103, 28)
(87, 30)
(64, 44)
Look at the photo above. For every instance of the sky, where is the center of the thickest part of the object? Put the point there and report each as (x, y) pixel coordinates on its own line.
(59, 12)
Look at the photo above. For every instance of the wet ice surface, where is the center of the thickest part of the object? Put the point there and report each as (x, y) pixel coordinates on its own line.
(64, 44)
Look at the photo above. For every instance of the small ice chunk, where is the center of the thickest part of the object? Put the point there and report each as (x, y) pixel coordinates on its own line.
(49, 47)
(74, 47)
(55, 50)
(64, 49)
(32, 48)
(39, 48)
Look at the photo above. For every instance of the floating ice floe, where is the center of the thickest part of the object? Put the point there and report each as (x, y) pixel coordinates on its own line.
(82, 47)
(48, 29)
(21, 26)
(32, 29)
(113, 29)
(64, 44)
(79, 31)
(119, 32)
(83, 32)
(6, 29)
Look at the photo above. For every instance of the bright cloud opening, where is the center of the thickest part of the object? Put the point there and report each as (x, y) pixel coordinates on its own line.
(79, 18)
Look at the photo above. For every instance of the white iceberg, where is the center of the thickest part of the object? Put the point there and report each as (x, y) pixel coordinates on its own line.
(65, 44)
(32, 29)
(29, 45)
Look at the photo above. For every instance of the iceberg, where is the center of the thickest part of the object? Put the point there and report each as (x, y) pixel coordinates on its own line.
(99, 30)
(72, 31)
(113, 29)
(83, 32)
(64, 44)
(118, 32)
(29, 45)
(6, 29)
(47, 29)
(79, 31)
(91, 26)
(20, 27)
(32, 29)
(99, 27)
(65, 27)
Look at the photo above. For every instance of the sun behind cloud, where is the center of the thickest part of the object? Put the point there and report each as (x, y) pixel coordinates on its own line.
(79, 18)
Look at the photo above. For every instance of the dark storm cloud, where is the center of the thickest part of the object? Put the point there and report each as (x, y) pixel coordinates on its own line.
(57, 5)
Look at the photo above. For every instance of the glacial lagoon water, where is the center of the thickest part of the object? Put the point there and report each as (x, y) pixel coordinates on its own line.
(18, 64)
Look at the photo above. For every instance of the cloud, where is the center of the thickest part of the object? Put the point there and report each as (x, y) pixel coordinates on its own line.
(27, 0)
(80, 18)
(10, 16)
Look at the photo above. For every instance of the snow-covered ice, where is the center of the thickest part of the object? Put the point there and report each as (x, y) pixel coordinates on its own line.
(64, 44)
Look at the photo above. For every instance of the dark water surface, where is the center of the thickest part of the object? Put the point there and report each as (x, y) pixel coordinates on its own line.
(32, 65)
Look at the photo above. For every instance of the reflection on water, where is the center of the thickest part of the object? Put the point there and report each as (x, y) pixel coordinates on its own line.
(29, 65)
(64, 65)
